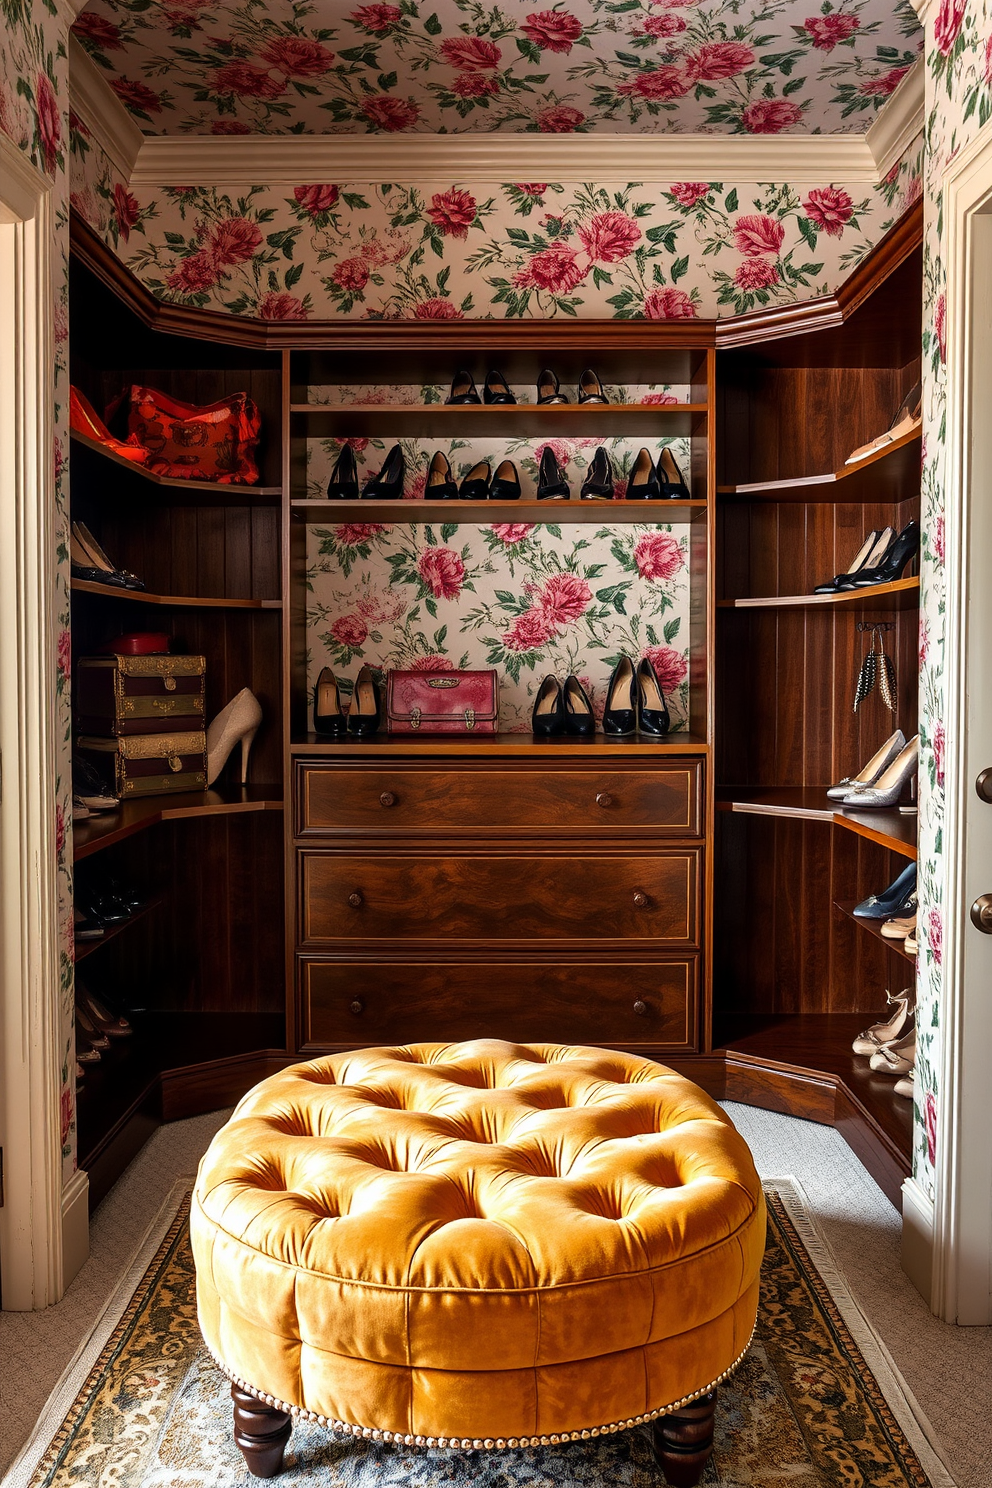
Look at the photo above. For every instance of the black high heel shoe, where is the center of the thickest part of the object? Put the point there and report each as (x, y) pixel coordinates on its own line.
(673, 486)
(505, 483)
(579, 717)
(343, 484)
(644, 484)
(548, 714)
(598, 484)
(388, 484)
(327, 715)
(871, 552)
(549, 388)
(654, 717)
(591, 389)
(496, 390)
(889, 568)
(364, 713)
(463, 389)
(89, 561)
(441, 484)
(475, 486)
(551, 482)
(620, 714)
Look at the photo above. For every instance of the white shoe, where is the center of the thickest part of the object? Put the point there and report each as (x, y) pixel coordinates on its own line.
(239, 720)
(897, 1058)
(906, 1085)
(879, 1034)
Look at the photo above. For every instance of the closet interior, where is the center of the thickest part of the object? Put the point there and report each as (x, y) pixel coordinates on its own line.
(688, 898)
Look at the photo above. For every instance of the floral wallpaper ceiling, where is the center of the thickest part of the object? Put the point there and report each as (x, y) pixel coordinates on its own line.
(456, 66)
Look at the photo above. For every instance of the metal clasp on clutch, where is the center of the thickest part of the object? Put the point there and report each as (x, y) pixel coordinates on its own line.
(470, 718)
(414, 717)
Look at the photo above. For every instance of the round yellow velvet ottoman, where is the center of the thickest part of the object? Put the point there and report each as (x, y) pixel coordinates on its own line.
(482, 1245)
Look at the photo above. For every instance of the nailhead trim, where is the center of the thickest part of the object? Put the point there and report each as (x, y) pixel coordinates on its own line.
(467, 1444)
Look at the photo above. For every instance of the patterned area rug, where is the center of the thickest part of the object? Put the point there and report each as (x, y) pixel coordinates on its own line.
(804, 1410)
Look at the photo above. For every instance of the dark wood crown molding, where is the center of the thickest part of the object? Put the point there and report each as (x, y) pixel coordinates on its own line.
(501, 335)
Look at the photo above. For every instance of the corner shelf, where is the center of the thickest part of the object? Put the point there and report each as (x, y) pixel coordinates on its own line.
(874, 928)
(97, 832)
(888, 826)
(85, 948)
(883, 476)
(484, 513)
(174, 601)
(902, 594)
(220, 494)
(530, 420)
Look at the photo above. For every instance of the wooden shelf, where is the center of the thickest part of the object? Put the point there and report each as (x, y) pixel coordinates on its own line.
(220, 494)
(891, 474)
(902, 594)
(528, 420)
(597, 747)
(889, 827)
(486, 512)
(874, 929)
(174, 601)
(97, 832)
(85, 948)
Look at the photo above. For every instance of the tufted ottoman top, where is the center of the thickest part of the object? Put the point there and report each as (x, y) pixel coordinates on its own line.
(375, 1230)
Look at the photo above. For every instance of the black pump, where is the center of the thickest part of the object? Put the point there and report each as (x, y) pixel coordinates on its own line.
(441, 484)
(328, 717)
(551, 482)
(620, 715)
(579, 717)
(548, 714)
(598, 484)
(654, 717)
(343, 484)
(899, 552)
(644, 484)
(673, 486)
(388, 484)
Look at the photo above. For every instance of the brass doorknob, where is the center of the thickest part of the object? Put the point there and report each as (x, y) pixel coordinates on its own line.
(357, 1007)
(387, 799)
(641, 1008)
(355, 899)
(981, 914)
(983, 785)
(604, 799)
(640, 899)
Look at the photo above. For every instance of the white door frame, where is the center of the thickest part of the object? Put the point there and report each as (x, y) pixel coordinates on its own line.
(31, 1249)
(961, 1277)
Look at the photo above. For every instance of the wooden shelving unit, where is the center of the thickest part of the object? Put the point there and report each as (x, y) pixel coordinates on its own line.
(86, 948)
(874, 929)
(902, 594)
(173, 601)
(96, 833)
(209, 493)
(878, 477)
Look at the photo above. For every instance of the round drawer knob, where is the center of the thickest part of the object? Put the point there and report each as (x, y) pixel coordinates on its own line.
(356, 1007)
(387, 799)
(640, 899)
(641, 1008)
(355, 899)
(604, 799)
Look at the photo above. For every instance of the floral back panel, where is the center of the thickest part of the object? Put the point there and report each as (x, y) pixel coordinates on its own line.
(527, 599)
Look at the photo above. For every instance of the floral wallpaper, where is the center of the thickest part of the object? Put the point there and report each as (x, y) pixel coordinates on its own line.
(446, 251)
(527, 599)
(454, 66)
(34, 114)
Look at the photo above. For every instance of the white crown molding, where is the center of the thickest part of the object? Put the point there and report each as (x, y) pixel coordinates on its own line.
(289, 160)
(99, 108)
(900, 121)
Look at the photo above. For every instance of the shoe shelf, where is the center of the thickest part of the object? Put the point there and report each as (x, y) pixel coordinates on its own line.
(85, 948)
(201, 493)
(529, 420)
(902, 594)
(873, 928)
(174, 601)
(485, 512)
(887, 475)
(97, 832)
(888, 826)
(522, 744)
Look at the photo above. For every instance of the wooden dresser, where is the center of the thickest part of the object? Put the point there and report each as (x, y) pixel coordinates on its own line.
(520, 889)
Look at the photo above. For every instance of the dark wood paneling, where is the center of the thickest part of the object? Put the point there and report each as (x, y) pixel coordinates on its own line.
(565, 1001)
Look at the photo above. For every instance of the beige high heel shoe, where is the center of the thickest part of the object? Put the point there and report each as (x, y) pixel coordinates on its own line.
(239, 720)
(897, 1058)
(888, 1032)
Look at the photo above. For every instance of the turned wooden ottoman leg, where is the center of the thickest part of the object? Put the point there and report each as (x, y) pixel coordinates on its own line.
(261, 1432)
(683, 1442)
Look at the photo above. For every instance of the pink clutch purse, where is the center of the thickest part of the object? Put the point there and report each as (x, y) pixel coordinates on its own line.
(442, 702)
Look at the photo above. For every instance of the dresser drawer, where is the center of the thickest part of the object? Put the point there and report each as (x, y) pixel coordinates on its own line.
(499, 896)
(570, 1002)
(508, 800)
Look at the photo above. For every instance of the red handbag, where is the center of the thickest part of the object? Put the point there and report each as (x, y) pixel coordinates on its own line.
(442, 702)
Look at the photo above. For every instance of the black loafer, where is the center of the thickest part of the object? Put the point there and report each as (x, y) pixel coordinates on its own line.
(475, 486)
(463, 389)
(441, 484)
(496, 390)
(505, 483)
